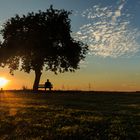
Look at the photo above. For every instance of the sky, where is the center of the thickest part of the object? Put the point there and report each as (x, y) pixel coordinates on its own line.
(111, 28)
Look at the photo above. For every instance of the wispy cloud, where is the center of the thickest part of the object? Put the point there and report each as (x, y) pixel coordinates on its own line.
(118, 11)
(83, 64)
(108, 32)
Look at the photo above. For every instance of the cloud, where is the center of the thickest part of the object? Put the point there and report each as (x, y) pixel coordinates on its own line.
(108, 32)
(83, 64)
(118, 12)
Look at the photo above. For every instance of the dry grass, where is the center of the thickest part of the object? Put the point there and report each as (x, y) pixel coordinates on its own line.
(69, 115)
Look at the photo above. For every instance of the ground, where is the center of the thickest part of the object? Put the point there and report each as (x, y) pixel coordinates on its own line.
(69, 115)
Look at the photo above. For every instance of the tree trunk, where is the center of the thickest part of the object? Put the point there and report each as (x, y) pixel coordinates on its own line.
(37, 79)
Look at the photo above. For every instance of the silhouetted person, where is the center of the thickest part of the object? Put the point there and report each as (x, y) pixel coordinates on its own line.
(48, 84)
(1, 90)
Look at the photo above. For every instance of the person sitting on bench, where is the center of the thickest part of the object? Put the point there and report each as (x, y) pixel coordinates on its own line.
(48, 85)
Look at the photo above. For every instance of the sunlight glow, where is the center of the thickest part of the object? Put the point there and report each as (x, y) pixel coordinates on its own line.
(3, 81)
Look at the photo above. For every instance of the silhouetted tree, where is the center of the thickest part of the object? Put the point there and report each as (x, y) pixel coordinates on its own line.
(41, 40)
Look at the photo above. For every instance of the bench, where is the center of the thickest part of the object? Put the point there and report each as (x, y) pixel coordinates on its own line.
(45, 86)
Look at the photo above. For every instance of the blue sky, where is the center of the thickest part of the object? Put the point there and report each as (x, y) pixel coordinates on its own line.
(111, 28)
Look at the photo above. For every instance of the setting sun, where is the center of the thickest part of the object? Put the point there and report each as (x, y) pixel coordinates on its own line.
(3, 81)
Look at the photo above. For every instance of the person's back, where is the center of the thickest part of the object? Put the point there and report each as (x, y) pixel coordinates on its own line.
(48, 84)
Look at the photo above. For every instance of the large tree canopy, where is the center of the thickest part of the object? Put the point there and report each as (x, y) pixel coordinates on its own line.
(38, 40)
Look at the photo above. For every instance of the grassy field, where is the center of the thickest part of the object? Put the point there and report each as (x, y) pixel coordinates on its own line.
(69, 115)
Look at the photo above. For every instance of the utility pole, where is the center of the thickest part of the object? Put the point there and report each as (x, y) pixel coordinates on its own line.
(89, 86)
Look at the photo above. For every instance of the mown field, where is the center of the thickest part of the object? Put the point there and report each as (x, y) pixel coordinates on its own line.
(69, 115)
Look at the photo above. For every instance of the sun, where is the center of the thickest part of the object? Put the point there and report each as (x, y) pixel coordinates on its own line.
(3, 81)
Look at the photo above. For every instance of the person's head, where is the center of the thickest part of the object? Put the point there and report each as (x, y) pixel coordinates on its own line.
(47, 80)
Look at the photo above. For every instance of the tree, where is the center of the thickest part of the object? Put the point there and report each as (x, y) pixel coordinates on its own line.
(41, 40)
